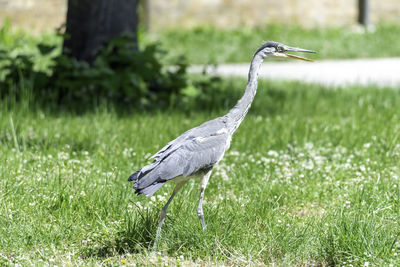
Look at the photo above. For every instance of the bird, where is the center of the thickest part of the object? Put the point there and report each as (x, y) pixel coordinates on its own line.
(194, 153)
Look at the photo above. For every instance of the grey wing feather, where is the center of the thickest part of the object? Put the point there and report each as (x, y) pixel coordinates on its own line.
(150, 190)
(172, 143)
(196, 149)
(191, 157)
(204, 153)
(203, 130)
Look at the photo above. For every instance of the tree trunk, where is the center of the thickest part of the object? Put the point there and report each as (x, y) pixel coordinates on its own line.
(92, 23)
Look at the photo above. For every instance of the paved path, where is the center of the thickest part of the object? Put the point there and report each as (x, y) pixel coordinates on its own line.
(381, 71)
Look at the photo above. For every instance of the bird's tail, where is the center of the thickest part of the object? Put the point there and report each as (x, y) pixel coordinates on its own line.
(150, 190)
(134, 176)
(140, 174)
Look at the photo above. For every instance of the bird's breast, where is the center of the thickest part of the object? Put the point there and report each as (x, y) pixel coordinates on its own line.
(222, 131)
(228, 142)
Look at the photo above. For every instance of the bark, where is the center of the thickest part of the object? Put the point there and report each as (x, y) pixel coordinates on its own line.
(92, 23)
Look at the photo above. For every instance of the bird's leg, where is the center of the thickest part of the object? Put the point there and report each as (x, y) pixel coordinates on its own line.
(163, 212)
(204, 182)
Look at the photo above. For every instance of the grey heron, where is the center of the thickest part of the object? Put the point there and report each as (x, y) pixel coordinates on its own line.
(195, 152)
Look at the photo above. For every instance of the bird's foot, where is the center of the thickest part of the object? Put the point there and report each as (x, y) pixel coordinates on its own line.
(156, 241)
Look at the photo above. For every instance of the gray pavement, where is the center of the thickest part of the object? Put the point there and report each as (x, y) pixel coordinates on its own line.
(383, 72)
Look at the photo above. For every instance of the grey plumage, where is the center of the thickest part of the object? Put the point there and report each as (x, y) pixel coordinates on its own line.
(195, 152)
(268, 44)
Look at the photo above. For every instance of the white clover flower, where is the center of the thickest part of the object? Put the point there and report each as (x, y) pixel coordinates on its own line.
(63, 156)
(161, 198)
(259, 118)
(308, 146)
(273, 153)
(224, 175)
(308, 165)
(319, 160)
(367, 145)
(234, 153)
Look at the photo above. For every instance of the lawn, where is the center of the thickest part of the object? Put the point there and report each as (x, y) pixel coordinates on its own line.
(312, 177)
(210, 45)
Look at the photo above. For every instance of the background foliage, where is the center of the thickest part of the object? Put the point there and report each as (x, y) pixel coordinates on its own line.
(311, 178)
(150, 77)
(210, 45)
(145, 78)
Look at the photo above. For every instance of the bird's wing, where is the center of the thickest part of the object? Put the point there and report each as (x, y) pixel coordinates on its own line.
(159, 154)
(189, 157)
(209, 126)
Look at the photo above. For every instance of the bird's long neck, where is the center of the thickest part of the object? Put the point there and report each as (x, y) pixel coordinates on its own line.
(239, 111)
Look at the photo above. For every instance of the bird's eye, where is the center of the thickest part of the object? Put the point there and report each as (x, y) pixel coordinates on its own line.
(279, 49)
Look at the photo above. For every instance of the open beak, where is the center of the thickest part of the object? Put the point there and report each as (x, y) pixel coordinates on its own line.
(295, 49)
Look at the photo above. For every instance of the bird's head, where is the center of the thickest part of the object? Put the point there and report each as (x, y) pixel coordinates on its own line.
(275, 49)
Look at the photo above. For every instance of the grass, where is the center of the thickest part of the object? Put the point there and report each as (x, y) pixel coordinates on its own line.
(312, 177)
(210, 45)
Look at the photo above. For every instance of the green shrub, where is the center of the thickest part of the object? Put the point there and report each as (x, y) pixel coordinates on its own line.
(25, 61)
(120, 73)
(123, 73)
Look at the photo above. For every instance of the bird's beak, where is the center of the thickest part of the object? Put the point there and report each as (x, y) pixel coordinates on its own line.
(296, 49)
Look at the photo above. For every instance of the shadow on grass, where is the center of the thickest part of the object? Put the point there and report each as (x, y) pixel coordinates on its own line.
(217, 96)
(134, 235)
